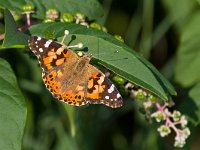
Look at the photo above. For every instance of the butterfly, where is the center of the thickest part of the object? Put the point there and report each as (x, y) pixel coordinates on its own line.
(71, 78)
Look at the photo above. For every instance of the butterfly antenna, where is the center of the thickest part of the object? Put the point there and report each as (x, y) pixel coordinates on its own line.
(79, 45)
(66, 33)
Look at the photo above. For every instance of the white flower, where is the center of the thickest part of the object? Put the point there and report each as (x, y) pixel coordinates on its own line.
(183, 121)
(167, 112)
(179, 141)
(147, 104)
(159, 116)
(181, 137)
(164, 130)
(186, 132)
(176, 115)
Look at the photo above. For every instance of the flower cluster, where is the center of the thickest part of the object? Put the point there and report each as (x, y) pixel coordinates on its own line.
(170, 120)
(53, 15)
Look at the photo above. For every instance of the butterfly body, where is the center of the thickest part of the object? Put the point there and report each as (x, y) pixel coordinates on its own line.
(71, 78)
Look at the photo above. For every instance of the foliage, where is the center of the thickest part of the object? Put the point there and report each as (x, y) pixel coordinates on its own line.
(13, 109)
(53, 125)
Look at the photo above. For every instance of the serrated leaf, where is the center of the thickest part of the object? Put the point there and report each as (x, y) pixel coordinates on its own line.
(12, 109)
(112, 54)
(13, 37)
(187, 70)
(191, 107)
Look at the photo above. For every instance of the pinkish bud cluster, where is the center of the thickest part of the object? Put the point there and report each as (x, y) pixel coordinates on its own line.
(170, 120)
(52, 14)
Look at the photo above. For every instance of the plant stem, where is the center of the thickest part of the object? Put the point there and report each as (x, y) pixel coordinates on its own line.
(146, 42)
(70, 113)
(28, 20)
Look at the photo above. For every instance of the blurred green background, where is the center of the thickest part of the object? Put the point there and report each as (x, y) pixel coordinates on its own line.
(167, 33)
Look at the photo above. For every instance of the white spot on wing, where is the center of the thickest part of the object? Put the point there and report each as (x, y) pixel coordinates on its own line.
(118, 95)
(41, 50)
(39, 38)
(111, 89)
(106, 97)
(47, 43)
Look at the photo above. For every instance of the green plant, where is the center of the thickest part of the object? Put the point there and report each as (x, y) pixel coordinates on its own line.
(136, 78)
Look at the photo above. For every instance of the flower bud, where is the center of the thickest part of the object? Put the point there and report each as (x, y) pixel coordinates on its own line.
(186, 132)
(183, 121)
(119, 38)
(119, 80)
(181, 137)
(179, 142)
(152, 98)
(67, 17)
(104, 29)
(80, 16)
(27, 8)
(140, 95)
(95, 25)
(52, 14)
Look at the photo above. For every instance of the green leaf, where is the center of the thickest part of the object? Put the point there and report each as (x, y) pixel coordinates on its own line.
(90, 8)
(191, 106)
(178, 14)
(187, 70)
(112, 54)
(13, 37)
(65, 141)
(12, 109)
(12, 4)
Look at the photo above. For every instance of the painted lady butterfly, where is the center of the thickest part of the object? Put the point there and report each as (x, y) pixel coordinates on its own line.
(71, 78)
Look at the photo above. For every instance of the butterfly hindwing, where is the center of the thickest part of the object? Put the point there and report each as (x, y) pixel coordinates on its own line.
(100, 90)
